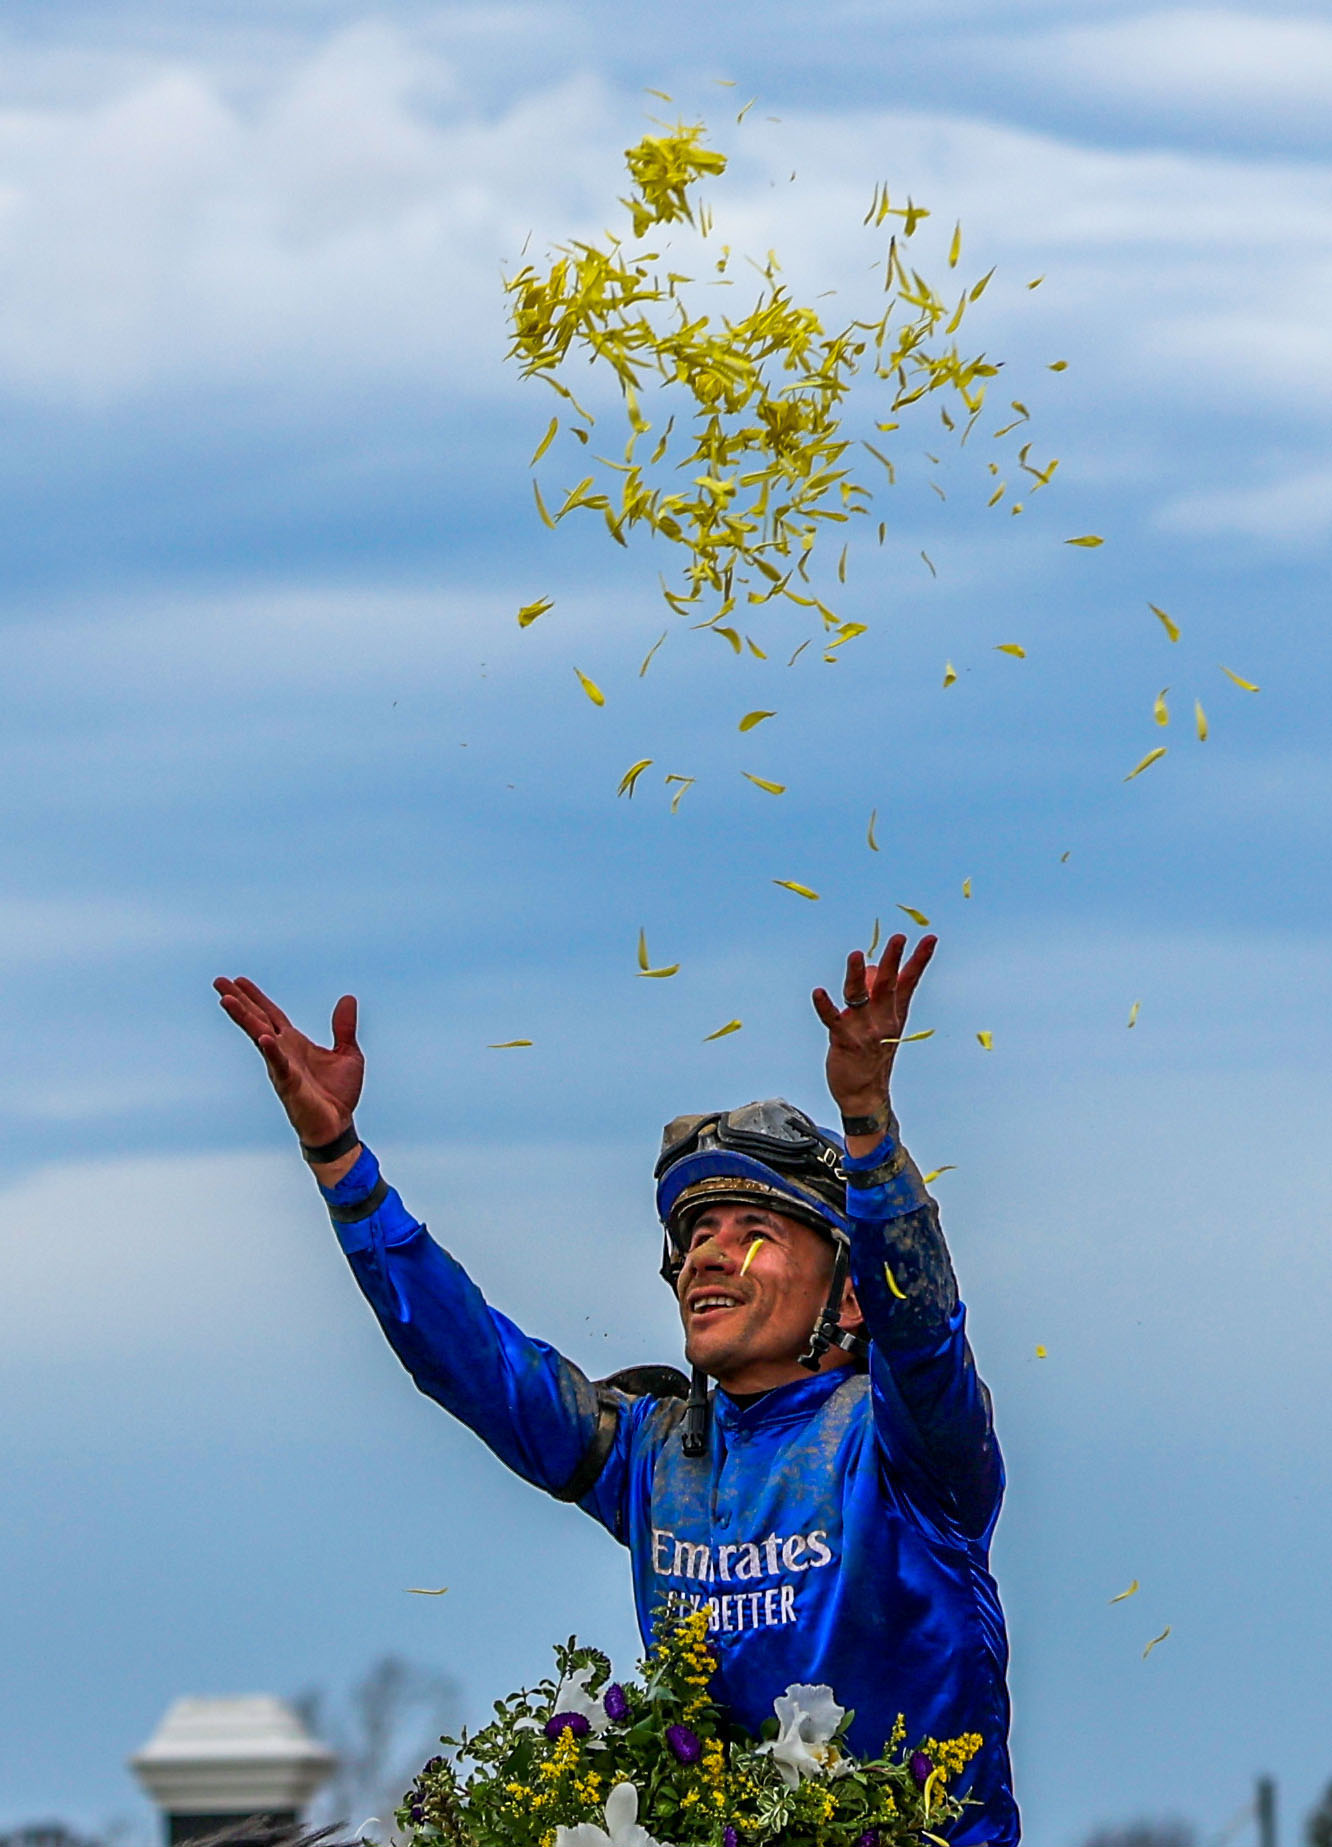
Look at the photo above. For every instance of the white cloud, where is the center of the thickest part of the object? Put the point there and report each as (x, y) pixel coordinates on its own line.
(1240, 68)
(1295, 509)
(347, 228)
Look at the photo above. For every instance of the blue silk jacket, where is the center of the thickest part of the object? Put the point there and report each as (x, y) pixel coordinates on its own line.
(838, 1529)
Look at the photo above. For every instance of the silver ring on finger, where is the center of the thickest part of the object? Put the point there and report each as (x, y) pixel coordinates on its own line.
(862, 1000)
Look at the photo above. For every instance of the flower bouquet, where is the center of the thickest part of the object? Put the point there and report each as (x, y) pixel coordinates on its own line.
(589, 1761)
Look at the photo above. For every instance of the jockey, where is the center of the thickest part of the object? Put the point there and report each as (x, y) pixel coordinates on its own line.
(828, 1483)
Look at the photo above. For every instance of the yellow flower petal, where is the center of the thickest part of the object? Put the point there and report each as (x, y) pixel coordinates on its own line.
(1133, 1013)
(1014, 648)
(591, 688)
(911, 1038)
(1132, 1591)
(414, 1592)
(686, 784)
(507, 1045)
(750, 1255)
(529, 612)
(966, 888)
(1042, 1354)
(869, 832)
(891, 1281)
(950, 674)
(1245, 685)
(917, 917)
(545, 442)
(647, 658)
(631, 776)
(1160, 710)
(644, 959)
(658, 974)
(1155, 1639)
(949, 1167)
(731, 1026)
(761, 782)
(1168, 623)
(801, 891)
(1087, 538)
(1153, 756)
(750, 719)
(985, 1040)
(1200, 721)
(874, 942)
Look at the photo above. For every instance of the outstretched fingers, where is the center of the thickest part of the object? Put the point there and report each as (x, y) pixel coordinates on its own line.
(826, 1007)
(344, 1025)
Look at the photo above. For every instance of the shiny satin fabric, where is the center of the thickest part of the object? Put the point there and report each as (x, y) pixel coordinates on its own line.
(837, 1529)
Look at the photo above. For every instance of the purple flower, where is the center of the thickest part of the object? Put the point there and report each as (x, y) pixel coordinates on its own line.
(684, 1743)
(730, 1836)
(418, 1813)
(567, 1722)
(614, 1702)
(436, 1763)
(920, 1766)
(870, 1838)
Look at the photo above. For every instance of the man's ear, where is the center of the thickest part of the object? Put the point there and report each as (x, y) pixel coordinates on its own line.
(851, 1317)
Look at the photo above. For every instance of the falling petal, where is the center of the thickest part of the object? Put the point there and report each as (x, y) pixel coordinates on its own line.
(841, 567)
(508, 1045)
(1133, 1013)
(1168, 623)
(891, 1281)
(1200, 721)
(1057, 365)
(949, 1167)
(911, 1038)
(1160, 710)
(801, 891)
(950, 674)
(985, 1040)
(731, 1026)
(955, 248)
(1088, 538)
(1132, 1591)
(631, 776)
(414, 1592)
(761, 782)
(1014, 648)
(591, 688)
(930, 562)
(644, 959)
(661, 93)
(529, 612)
(1042, 1354)
(917, 917)
(874, 942)
(658, 974)
(796, 656)
(1155, 1639)
(1063, 858)
(545, 442)
(750, 719)
(749, 1255)
(546, 520)
(1244, 685)
(651, 651)
(869, 831)
(1152, 756)
(966, 888)
(686, 784)
(1036, 282)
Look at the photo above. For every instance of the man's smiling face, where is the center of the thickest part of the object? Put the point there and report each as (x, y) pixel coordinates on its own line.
(747, 1319)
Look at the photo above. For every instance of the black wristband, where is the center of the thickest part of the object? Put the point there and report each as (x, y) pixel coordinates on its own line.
(866, 1125)
(331, 1151)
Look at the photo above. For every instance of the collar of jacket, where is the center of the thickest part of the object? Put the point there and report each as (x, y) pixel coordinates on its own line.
(784, 1404)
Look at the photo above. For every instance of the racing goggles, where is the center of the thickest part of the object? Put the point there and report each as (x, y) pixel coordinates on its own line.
(768, 1151)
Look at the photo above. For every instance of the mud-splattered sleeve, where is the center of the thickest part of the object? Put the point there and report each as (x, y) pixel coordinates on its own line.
(931, 1409)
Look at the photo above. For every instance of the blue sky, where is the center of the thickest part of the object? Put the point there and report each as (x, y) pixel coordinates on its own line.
(267, 519)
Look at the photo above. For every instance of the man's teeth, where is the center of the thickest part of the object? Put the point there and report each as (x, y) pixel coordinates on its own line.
(714, 1301)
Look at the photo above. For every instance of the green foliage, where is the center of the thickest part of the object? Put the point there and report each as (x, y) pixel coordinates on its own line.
(699, 1781)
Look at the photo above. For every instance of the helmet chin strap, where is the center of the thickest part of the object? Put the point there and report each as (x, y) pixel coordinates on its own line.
(827, 1332)
(827, 1329)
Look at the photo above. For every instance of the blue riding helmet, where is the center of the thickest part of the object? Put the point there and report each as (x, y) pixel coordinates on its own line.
(767, 1153)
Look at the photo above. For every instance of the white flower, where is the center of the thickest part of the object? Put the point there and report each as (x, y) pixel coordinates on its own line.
(573, 1696)
(621, 1830)
(808, 1718)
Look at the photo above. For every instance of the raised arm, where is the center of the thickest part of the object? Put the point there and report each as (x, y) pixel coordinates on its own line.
(931, 1409)
(535, 1409)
